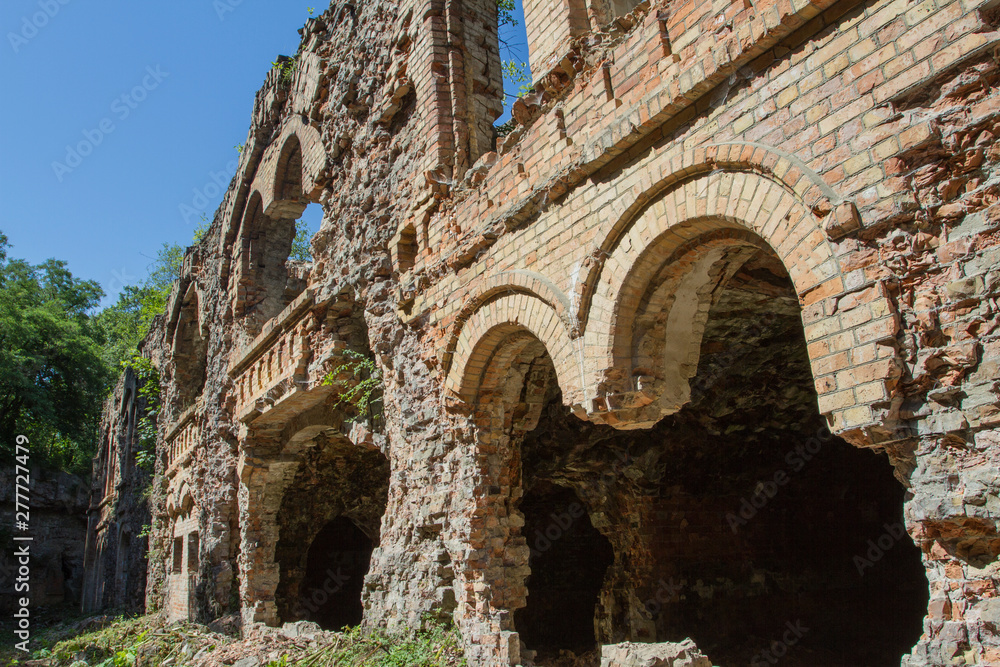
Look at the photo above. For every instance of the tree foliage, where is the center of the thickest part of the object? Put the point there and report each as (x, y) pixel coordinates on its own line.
(301, 250)
(125, 323)
(53, 377)
(59, 360)
(516, 73)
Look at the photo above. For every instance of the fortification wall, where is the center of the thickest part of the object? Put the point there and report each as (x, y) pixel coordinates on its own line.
(118, 514)
(686, 176)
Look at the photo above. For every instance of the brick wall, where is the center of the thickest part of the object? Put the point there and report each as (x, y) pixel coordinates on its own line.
(854, 143)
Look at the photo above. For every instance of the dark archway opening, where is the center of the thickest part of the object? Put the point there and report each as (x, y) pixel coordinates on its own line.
(329, 522)
(330, 592)
(765, 521)
(568, 561)
(740, 521)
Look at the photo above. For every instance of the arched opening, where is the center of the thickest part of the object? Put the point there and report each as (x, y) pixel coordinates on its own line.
(739, 520)
(336, 565)
(182, 577)
(568, 561)
(122, 568)
(770, 536)
(190, 348)
(288, 175)
(266, 286)
(329, 521)
(274, 253)
(556, 561)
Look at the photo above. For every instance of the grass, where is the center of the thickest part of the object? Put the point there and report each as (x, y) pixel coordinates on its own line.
(437, 646)
(145, 641)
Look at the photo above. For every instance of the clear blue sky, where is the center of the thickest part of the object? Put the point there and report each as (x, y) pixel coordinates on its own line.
(160, 91)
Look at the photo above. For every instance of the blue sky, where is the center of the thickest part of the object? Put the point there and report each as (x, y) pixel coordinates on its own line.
(151, 98)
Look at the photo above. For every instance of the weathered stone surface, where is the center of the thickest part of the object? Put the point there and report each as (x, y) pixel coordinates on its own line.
(628, 654)
(118, 513)
(57, 516)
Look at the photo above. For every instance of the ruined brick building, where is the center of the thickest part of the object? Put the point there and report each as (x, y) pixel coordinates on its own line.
(705, 347)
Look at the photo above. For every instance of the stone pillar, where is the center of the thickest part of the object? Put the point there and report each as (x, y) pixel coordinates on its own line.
(954, 516)
(262, 485)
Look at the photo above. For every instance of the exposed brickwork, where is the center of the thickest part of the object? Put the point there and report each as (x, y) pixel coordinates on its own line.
(672, 153)
(118, 512)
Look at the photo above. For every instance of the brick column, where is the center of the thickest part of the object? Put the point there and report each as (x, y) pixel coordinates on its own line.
(551, 26)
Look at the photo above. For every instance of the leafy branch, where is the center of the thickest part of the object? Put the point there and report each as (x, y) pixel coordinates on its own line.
(363, 394)
(149, 389)
(515, 72)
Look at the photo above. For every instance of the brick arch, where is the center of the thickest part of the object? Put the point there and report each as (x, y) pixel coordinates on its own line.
(252, 219)
(290, 170)
(508, 282)
(181, 499)
(493, 322)
(274, 454)
(187, 338)
(677, 231)
(805, 185)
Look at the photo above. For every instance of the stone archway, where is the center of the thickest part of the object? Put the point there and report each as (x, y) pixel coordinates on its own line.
(741, 512)
(637, 354)
(676, 250)
(330, 591)
(300, 472)
(265, 280)
(512, 377)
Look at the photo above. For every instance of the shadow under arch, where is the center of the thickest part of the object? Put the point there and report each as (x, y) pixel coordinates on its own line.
(736, 514)
(512, 376)
(264, 279)
(189, 346)
(492, 329)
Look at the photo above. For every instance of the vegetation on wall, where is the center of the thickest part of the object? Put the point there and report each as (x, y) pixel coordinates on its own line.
(149, 389)
(359, 383)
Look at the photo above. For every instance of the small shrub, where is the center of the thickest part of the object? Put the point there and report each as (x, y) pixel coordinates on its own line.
(366, 395)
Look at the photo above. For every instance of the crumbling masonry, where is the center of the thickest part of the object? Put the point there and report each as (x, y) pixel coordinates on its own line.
(707, 346)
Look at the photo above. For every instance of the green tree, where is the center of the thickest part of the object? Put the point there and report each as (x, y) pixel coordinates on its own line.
(166, 268)
(125, 323)
(301, 251)
(52, 374)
